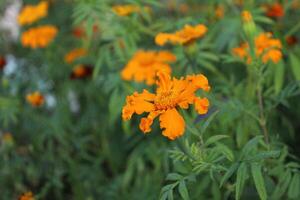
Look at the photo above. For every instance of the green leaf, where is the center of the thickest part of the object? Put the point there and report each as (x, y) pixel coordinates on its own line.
(214, 139)
(294, 188)
(225, 151)
(170, 195)
(183, 190)
(229, 173)
(240, 180)
(250, 145)
(264, 155)
(208, 121)
(173, 177)
(295, 65)
(282, 186)
(279, 77)
(258, 180)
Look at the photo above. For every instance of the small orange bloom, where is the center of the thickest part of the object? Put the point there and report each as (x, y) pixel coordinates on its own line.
(246, 16)
(275, 10)
(145, 64)
(31, 13)
(170, 95)
(125, 10)
(39, 37)
(265, 47)
(2, 62)
(81, 71)
(27, 196)
(74, 54)
(219, 11)
(36, 99)
(186, 35)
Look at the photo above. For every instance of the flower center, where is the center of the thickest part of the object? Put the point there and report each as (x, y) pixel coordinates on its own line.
(165, 100)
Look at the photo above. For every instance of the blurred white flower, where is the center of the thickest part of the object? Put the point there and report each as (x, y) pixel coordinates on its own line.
(9, 21)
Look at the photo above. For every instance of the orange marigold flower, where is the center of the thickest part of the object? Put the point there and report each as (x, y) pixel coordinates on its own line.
(36, 99)
(275, 10)
(74, 54)
(2, 62)
(266, 47)
(38, 37)
(246, 16)
(81, 71)
(186, 35)
(170, 95)
(144, 66)
(125, 10)
(31, 13)
(27, 196)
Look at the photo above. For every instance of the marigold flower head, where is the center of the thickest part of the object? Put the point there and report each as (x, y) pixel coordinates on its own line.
(144, 66)
(275, 10)
(36, 99)
(246, 16)
(2, 62)
(266, 47)
(81, 71)
(74, 54)
(38, 37)
(186, 35)
(125, 10)
(31, 13)
(171, 94)
(27, 196)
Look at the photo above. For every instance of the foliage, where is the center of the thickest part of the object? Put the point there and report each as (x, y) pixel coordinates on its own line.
(76, 145)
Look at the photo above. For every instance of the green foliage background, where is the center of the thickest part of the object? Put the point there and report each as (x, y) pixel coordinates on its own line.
(90, 153)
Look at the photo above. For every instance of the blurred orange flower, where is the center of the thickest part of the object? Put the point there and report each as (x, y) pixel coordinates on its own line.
(74, 54)
(275, 10)
(242, 52)
(31, 13)
(81, 71)
(219, 11)
(36, 99)
(246, 16)
(27, 196)
(186, 35)
(144, 65)
(170, 95)
(39, 37)
(125, 10)
(266, 47)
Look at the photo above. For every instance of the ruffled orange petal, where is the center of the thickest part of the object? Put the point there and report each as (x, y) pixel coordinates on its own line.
(200, 81)
(146, 122)
(162, 38)
(138, 103)
(274, 55)
(172, 123)
(201, 105)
